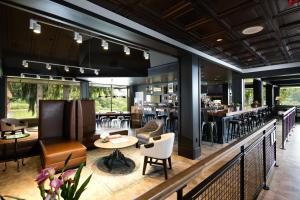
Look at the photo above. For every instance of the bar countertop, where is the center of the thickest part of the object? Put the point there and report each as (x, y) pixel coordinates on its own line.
(245, 110)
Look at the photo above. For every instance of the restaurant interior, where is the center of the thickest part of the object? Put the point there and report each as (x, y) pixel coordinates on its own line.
(107, 108)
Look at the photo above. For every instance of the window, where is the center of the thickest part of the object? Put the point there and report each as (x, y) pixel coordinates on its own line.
(248, 97)
(290, 96)
(23, 95)
(109, 98)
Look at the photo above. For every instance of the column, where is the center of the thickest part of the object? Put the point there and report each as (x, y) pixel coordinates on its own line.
(39, 96)
(270, 95)
(238, 89)
(84, 90)
(3, 99)
(276, 94)
(257, 91)
(189, 137)
(66, 91)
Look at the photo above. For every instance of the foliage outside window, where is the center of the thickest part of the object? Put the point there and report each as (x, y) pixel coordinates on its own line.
(109, 98)
(22, 96)
(290, 96)
(248, 97)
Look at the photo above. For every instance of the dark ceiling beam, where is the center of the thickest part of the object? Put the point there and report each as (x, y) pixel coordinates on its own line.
(238, 8)
(201, 4)
(287, 11)
(290, 26)
(266, 41)
(286, 82)
(258, 36)
(197, 23)
(248, 24)
(278, 78)
(178, 8)
(267, 13)
(291, 36)
(293, 42)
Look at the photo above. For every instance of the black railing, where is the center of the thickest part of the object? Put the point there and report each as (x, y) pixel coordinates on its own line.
(244, 176)
(288, 122)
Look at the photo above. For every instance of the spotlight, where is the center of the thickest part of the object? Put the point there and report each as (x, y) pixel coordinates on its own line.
(78, 37)
(50, 77)
(104, 44)
(126, 50)
(96, 72)
(33, 25)
(48, 66)
(73, 79)
(146, 55)
(63, 78)
(38, 76)
(81, 70)
(22, 75)
(25, 63)
(67, 68)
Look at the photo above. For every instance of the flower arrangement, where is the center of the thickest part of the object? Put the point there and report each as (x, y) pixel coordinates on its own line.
(63, 185)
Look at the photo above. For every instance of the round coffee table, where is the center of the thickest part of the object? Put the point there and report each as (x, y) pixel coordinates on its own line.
(116, 145)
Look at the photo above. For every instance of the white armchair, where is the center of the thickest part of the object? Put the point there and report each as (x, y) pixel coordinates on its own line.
(160, 150)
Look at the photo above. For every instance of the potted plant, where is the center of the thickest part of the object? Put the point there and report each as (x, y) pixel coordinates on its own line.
(237, 106)
(62, 185)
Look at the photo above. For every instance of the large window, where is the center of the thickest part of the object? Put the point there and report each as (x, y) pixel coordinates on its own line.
(109, 98)
(248, 97)
(23, 95)
(290, 96)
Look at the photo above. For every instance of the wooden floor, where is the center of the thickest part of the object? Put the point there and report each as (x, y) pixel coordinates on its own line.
(285, 180)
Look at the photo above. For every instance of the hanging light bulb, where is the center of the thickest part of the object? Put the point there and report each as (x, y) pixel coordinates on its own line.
(48, 66)
(78, 37)
(104, 44)
(50, 77)
(33, 25)
(25, 63)
(126, 50)
(146, 55)
(81, 70)
(22, 75)
(96, 72)
(67, 68)
(38, 76)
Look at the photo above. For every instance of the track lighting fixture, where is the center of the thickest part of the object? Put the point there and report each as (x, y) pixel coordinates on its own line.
(126, 50)
(38, 76)
(22, 75)
(146, 55)
(50, 77)
(33, 25)
(48, 66)
(63, 78)
(25, 63)
(81, 70)
(96, 72)
(73, 79)
(78, 37)
(67, 68)
(104, 44)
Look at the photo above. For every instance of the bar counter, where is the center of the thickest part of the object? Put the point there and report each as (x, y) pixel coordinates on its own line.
(222, 118)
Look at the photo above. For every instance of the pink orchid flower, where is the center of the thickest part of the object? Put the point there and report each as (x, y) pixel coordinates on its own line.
(67, 174)
(56, 183)
(44, 175)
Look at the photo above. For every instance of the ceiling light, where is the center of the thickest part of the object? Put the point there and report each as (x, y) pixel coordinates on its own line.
(78, 37)
(252, 30)
(104, 44)
(81, 70)
(146, 55)
(126, 50)
(67, 68)
(96, 72)
(48, 66)
(50, 77)
(33, 25)
(25, 63)
(219, 40)
(22, 75)
(38, 76)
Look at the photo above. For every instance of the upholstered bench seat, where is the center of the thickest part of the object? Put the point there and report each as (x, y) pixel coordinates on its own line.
(55, 154)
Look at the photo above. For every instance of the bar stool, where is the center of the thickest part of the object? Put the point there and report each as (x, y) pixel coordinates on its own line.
(212, 126)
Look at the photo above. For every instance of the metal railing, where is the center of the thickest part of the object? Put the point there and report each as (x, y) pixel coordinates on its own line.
(242, 177)
(288, 122)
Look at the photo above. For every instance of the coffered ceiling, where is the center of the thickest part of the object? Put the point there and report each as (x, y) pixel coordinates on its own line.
(215, 27)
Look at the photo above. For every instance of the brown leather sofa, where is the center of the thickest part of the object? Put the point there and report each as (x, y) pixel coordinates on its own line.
(86, 123)
(58, 135)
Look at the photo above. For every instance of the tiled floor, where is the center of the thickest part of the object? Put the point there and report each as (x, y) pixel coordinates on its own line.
(102, 185)
(285, 180)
